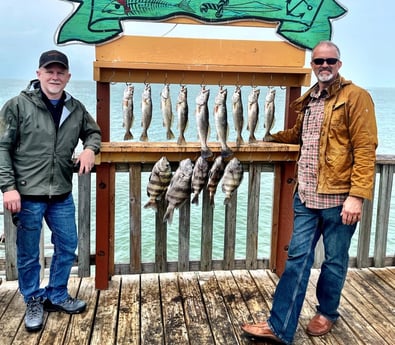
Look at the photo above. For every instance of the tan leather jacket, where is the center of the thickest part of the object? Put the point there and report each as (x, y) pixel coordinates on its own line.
(348, 139)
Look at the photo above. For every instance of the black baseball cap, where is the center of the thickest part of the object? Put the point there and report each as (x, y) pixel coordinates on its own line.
(53, 56)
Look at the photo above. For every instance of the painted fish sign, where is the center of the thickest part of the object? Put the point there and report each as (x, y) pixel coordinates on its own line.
(301, 22)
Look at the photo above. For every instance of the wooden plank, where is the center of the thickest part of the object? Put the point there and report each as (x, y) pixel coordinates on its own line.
(254, 190)
(230, 232)
(216, 310)
(206, 248)
(129, 311)
(152, 331)
(175, 330)
(237, 309)
(79, 329)
(196, 320)
(383, 210)
(105, 326)
(184, 234)
(84, 225)
(161, 237)
(135, 217)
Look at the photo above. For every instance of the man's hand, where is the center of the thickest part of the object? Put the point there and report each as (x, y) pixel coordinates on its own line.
(12, 201)
(352, 210)
(86, 161)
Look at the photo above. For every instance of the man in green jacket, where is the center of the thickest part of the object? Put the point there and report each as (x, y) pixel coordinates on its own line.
(337, 132)
(39, 131)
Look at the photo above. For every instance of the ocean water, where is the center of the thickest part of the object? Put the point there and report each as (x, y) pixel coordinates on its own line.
(86, 92)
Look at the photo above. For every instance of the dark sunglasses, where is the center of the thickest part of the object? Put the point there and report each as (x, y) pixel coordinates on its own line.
(330, 61)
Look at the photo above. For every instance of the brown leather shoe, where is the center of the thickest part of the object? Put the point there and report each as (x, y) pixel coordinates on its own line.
(261, 330)
(319, 325)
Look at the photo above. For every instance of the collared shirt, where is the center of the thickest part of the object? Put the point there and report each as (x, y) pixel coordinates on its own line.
(309, 155)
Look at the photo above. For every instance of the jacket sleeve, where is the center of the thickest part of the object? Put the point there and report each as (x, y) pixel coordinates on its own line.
(292, 135)
(90, 133)
(364, 141)
(8, 138)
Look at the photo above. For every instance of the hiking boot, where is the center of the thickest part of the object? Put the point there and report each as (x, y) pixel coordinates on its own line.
(69, 306)
(34, 315)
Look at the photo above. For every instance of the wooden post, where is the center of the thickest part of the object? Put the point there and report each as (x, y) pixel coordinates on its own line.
(282, 200)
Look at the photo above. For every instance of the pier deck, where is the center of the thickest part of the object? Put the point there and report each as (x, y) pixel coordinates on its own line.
(200, 308)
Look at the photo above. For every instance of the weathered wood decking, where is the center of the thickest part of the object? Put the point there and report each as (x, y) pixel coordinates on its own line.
(200, 308)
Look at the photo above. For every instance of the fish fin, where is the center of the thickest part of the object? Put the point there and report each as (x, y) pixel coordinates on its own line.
(184, 4)
(128, 135)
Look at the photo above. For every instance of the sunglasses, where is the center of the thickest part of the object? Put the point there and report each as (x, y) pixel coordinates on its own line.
(330, 61)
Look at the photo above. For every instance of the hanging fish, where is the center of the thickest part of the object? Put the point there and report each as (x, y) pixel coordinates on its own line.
(167, 112)
(202, 120)
(158, 182)
(182, 114)
(269, 111)
(238, 120)
(253, 113)
(199, 178)
(146, 109)
(214, 175)
(221, 121)
(231, 180)
(179, 189)
(127, 108)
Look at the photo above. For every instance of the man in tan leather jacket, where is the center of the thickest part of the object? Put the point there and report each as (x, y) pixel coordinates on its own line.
(337, 132)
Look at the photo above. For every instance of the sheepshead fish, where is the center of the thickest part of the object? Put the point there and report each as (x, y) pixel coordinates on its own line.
(269, 111)
(158, 182)
(238, 120)
(167, 112)
(179, 189)
(214, 175)
(199, 178)
(253, 113)
(221, 121)
(127, 108)
(182, 114)
(202, 121)
(146, 109)
(231, 180)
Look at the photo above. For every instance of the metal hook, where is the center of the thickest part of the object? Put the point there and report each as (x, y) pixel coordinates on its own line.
(111, 77)
(145, 80)
(182, 79)
(219, 82)
(202, 84)
(253, 81)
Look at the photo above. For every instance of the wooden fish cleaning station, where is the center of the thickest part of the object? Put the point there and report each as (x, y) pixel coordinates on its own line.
(135, 59)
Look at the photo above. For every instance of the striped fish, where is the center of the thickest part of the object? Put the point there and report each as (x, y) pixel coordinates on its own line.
(158, 182)
(214, 175)
(231, 180)
(199, 178)
(179, 189)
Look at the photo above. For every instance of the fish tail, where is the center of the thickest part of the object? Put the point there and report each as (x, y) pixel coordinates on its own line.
(181, 140)
(252, 138)
(184, 4)
(239, 140)
(144, 136)
(227, 200)
(195, 199)
(168, 217)
(170, 134)
(151, 204)
(128, 135)
(206, 153)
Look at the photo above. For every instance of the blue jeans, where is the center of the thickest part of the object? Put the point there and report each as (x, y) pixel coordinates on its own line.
(60, 218)
(309, 225)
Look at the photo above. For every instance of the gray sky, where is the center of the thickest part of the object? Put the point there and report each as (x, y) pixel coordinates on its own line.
(364, 35)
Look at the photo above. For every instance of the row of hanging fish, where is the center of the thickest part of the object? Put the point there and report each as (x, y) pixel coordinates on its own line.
(190, 179)
(202, 115)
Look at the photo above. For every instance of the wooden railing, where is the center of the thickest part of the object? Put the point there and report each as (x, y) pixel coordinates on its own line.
(368, 232)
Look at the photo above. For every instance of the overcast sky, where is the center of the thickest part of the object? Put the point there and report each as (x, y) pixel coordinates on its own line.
(27, 28)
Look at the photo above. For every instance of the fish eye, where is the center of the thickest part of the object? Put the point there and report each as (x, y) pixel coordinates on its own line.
(117, 6)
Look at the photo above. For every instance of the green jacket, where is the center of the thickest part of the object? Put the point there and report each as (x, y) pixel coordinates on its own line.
(35, 159)
(348, 141)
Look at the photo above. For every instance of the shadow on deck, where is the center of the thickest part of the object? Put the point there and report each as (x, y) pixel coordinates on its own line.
(200, 308)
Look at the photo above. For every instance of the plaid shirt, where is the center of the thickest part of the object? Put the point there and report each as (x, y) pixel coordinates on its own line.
(308, 161)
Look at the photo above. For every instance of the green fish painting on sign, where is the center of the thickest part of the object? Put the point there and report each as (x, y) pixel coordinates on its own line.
(303, 23)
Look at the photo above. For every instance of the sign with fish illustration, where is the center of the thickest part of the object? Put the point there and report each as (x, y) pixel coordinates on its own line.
(301, 22)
